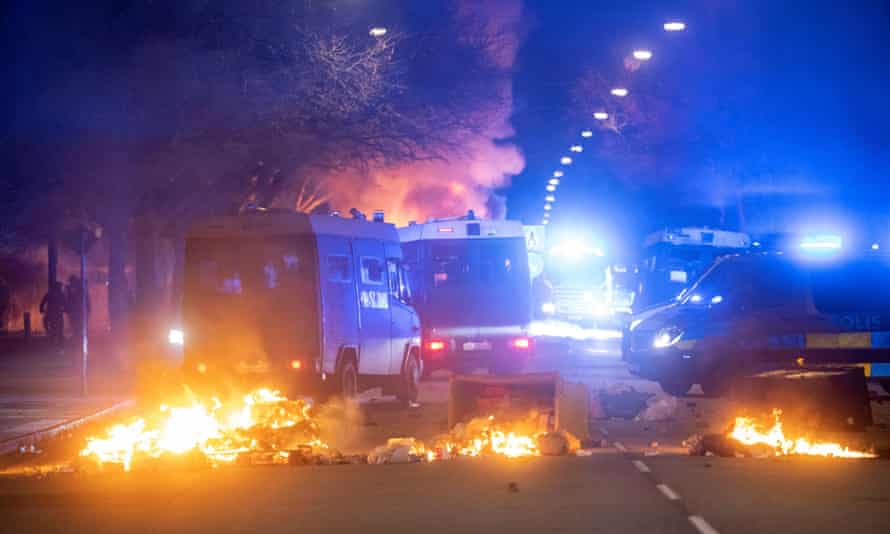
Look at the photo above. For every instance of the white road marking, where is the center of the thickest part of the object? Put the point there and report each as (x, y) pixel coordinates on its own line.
(620, 446)
(699, 523)
(668, 492)
(641, 467)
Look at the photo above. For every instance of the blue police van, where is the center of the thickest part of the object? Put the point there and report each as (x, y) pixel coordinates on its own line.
(311, 304)
(473, 292)
(759, 311)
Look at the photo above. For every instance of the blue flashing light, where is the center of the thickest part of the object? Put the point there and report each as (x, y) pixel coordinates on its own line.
(875, 246)
(717, 299)
(822, 242)
(755, 244)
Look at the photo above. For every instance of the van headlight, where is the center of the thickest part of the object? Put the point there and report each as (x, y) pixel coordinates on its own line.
(667, 337)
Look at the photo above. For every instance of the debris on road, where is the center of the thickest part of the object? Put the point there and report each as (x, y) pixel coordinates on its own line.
(659, 408)
(622, 401)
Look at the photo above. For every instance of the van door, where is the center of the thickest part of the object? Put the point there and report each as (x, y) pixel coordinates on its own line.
(405, 325)
(374, 311)
(339, 298)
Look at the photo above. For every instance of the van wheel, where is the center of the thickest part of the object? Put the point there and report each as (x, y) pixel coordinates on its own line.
(676, 387)
(409, 382)
(347, 379)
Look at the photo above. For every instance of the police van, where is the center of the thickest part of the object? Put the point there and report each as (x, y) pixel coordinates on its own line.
(674, 258)
(307, 303)
(759, 311)
(472, 290)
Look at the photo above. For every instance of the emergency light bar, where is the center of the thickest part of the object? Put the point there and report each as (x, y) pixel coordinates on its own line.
(826, 242)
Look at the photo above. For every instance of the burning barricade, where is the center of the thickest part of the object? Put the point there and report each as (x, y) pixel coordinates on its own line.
(262, 423)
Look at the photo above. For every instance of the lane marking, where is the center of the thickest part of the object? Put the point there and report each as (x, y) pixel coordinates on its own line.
(703, 526)
(641, 467)
(620, 446)
(668, 492)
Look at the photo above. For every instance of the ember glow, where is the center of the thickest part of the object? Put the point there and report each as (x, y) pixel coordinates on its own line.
(747, 431)
(261, 421)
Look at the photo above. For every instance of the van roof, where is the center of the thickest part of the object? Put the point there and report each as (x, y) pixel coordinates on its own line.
(458, 229)
(278, 223)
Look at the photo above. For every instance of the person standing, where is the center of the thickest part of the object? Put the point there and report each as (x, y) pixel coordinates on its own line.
(74, 306)
(52, 307)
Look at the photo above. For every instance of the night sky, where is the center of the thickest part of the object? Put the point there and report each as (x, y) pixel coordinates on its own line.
(794, 90)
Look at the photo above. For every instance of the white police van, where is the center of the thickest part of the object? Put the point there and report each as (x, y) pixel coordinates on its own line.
(473, 292)
(308, 303)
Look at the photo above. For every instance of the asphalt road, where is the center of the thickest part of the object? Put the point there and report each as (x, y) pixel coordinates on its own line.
(642, 481)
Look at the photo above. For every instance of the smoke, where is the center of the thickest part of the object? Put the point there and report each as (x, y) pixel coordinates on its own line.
(466, 176)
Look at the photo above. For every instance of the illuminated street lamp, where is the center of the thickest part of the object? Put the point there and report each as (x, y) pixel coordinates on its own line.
(547, 207)
(642, 54)
(565, 160)
(674, 26)
(600, 115)
(551, 188)
(544, 221)
(554, 181)
(557, 174)
(377, 31)
(619, 91)
(586, 133)
(576, 148)
(550, 198)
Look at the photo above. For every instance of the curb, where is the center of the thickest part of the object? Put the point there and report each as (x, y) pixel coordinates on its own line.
(13, 444)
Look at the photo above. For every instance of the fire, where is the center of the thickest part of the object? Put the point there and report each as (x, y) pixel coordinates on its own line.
(747, 431)
(263, 421)
(482, 436)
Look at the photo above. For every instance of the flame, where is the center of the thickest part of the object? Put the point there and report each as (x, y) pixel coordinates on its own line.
(747, 431)
(482, 436)
(263, 421)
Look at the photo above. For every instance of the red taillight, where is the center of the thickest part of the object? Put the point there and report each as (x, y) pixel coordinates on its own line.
(521, 343)
(296, 365)
(436, 345)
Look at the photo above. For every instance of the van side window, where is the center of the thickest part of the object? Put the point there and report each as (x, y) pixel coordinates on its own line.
(338, 269)
(372, 271)
(392, 267)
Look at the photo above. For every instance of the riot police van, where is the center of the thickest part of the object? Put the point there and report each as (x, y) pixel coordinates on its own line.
(473, 292)
(760, 311)
(308, 303)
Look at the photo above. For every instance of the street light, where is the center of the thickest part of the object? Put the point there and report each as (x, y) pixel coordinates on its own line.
(586, 133)
(557, 174)
(548, 207)
(550, 198)
(600, 115)
(544, 221)
(554, 181)
(576, 148)
(551, 188)
(619, 91)
(377, 31)
(565, 160)
(674, 26)
(643, 54)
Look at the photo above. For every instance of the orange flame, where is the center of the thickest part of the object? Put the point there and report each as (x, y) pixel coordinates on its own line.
(747, 431)
(482, 436)
(264, 421)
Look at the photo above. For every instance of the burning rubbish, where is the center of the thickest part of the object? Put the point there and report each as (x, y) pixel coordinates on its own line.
(748, 437)
(262, 423)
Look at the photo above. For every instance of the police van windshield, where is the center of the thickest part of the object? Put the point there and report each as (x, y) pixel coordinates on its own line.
(859, 286)
(258, 293)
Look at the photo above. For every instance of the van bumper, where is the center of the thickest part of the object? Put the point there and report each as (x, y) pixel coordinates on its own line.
(661, 364)
(225, 379)
(463, 353)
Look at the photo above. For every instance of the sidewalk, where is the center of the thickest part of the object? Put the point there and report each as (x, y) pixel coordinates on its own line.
(40, 392)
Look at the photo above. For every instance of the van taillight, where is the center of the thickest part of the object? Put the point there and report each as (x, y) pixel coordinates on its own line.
(296, 365)
(436, 345)
(521, 343)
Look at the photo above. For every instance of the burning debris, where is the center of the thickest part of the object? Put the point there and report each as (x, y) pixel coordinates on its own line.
(263, 422)
(748, 437)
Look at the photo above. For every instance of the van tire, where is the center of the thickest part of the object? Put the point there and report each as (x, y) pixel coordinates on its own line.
(409, 380)
(346, 379)
(675, 387)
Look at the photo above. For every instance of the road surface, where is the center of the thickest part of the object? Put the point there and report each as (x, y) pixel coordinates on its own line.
(641, 481)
